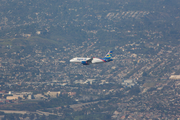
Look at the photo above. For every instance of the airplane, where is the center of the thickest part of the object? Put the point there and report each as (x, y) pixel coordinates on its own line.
(93, 60)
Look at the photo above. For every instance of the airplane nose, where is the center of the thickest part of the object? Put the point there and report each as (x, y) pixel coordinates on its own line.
(71, 60)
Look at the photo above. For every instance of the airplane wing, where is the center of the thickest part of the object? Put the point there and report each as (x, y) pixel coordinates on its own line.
(87, 62)
(90, 60)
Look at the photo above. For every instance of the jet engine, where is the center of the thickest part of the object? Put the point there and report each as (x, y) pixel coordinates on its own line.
(85, 63)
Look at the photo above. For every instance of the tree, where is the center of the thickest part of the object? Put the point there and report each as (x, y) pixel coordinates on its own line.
(43, 117)
(9, 117)
(144, 74)
(135, 90)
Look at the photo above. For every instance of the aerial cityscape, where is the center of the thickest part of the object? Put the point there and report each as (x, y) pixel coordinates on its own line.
(39, 38)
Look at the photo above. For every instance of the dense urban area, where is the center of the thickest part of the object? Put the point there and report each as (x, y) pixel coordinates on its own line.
(38, 38)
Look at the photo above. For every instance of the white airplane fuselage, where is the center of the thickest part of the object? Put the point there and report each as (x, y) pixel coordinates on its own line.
(79, 60)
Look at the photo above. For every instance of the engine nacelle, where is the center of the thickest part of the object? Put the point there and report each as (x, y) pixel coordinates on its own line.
(85, 63)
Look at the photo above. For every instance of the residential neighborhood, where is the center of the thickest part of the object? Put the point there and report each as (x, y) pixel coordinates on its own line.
(38, 82)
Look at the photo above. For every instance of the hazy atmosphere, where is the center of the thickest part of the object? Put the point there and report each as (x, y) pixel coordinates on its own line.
(39, 37)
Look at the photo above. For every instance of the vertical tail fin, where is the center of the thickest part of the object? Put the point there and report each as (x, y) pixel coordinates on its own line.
(109, 54)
